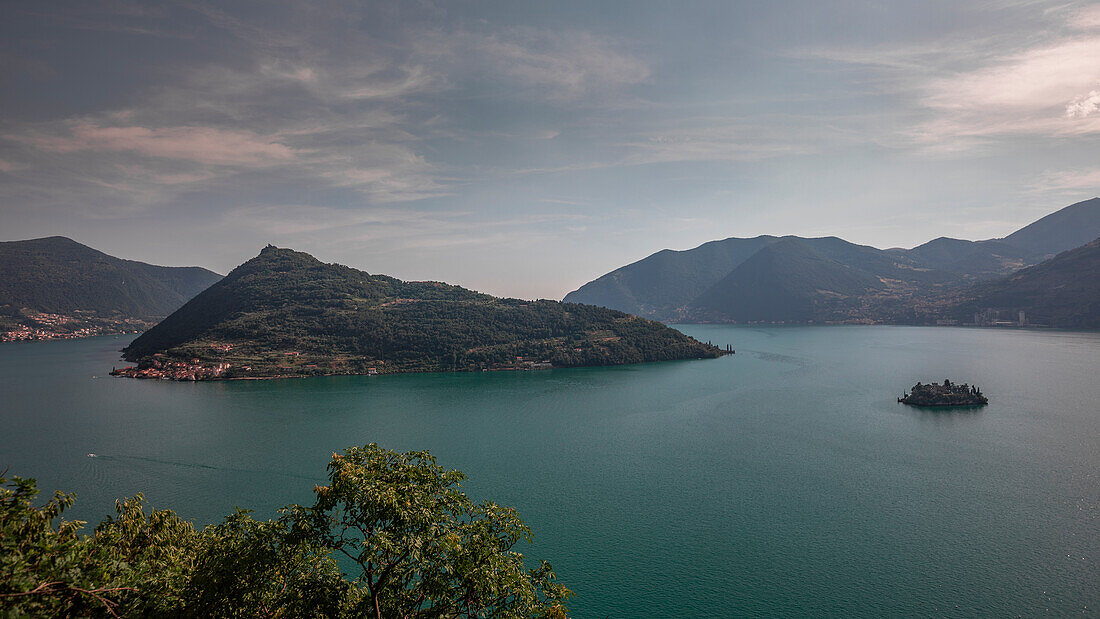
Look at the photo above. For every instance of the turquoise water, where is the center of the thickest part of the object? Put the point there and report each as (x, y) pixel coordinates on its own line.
(782, 481)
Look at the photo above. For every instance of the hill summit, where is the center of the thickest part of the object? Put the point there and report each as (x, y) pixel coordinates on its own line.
(285, 313)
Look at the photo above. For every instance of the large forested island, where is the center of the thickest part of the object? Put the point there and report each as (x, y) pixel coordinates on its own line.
(285, 313)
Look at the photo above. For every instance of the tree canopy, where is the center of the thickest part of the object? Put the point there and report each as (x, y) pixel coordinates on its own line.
(390, 535)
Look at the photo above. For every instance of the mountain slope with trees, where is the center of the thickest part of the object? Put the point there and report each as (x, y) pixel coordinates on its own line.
(973, 260)
(655, 286)
(1061, 292)
(783, 282)
(785, 279)
(77, 286)
(285, 313)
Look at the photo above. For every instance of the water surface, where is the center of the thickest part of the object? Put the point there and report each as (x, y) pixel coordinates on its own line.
(783, 480)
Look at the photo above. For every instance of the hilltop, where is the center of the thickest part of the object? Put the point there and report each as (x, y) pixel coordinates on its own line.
(58, 286)
(1062, 230)
(285, 313)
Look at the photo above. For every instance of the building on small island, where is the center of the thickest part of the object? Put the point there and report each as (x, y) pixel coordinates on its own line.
(947, 394)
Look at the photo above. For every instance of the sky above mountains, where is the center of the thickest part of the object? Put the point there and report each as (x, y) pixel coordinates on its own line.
(523, 149)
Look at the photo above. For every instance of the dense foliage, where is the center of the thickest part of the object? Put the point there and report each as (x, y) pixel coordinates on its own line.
(284, 312)
(412, 543)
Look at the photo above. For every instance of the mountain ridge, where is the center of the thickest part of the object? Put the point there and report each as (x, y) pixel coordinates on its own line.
(911, 282)
(1064, 229)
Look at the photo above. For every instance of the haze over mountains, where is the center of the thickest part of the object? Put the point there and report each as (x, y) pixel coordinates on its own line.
(793, 279)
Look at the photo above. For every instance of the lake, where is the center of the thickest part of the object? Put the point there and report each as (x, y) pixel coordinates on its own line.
(784, 480)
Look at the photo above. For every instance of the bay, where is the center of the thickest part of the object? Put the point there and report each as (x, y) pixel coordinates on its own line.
(784, 480)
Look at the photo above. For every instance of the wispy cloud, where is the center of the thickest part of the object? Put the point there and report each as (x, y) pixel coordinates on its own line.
(383, 229)
(355, 115)
(202, 145)
(725, 140)
(1046, 90)
(960, 91)
(1076, 181)
(290, 220)
(1087, 18)
(558, 66)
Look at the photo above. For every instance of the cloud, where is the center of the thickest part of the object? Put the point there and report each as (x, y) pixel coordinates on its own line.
(202, 145)
(304, 93)
(557, 65)
(145, 175)
(965, 90)
(393, 83)
(1087, 18)
(1069, 181)
(1034, 80)
(737, 141)
(1084, 106)
(380, 230)
(1045, 90)
(289, 220)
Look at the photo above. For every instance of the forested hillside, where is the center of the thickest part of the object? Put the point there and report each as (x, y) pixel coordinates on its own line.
(286, 313)
(56, 285)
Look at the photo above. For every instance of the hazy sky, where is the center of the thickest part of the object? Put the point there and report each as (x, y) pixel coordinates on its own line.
(524, 148)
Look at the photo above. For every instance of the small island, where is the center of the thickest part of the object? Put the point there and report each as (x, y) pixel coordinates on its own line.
(947, 394)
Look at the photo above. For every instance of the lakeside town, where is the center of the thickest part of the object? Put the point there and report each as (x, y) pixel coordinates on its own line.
(33, 326)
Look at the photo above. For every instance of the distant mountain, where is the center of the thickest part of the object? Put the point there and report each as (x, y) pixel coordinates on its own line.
(656, 286)
(882, 264)
(971, 259)
(1061, 292)
(1068, 228)
(59, 276)
(284, 313)
(734, 279)
(781, 283)
(822, 279)
(784, 279)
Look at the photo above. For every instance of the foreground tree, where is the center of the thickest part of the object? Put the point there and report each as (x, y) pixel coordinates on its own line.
(417, 546)
(420, 546)
(134, 564)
